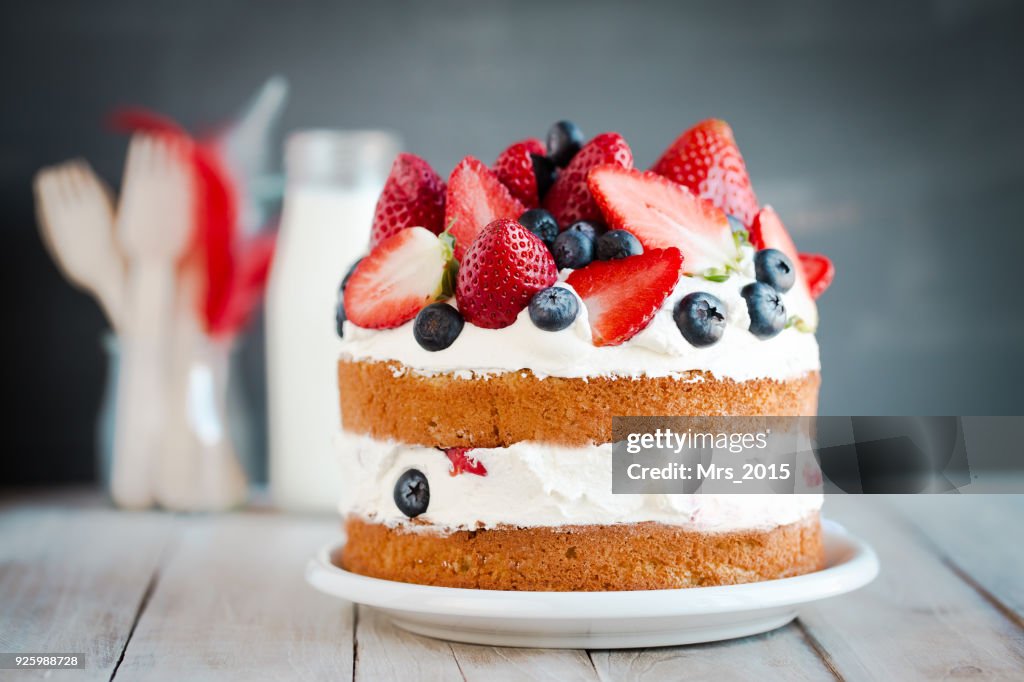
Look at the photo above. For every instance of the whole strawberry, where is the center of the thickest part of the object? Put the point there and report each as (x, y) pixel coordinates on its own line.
(413, 196)
(515, 169)
(569, 199)
(706, 159)
(500, 272)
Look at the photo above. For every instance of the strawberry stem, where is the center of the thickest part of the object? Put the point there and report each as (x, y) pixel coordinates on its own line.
(721, 274)
(741, 238)
(451, 266)
(798, 323)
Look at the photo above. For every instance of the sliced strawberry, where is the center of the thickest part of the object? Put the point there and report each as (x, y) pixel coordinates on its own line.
(476, 198)
(819, 271)
(622, 296)
(569, 199)
(706, 160)
(768, 232)
(413, 196)
(403, 274)
(501, 271)
(464, 463)
(514, 168)
(661, 213)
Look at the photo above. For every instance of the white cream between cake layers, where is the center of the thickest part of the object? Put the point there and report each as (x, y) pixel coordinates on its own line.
(534, 484)
(658, 350)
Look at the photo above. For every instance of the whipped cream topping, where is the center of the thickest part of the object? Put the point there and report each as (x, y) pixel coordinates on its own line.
(537, 484)
(658, 350)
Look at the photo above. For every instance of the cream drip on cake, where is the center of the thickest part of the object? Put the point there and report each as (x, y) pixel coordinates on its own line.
(532, 484)
(658, 350)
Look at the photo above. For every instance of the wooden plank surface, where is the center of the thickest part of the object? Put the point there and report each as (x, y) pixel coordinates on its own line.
(231, 603)
(918, 619)
(502, 664)
(73, 581)
(783, 654)
(384, 652)
(223, 597)
(978, 536)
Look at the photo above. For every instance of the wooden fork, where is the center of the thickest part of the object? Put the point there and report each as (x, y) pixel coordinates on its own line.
(154, 221)
(76, 221)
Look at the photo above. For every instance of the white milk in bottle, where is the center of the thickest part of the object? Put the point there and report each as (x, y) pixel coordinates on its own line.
(334, 179)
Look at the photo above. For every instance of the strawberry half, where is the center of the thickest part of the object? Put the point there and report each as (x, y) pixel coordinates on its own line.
(464, 463)
(403, 274)
(819, 271)
(622, 296)
(413, 196)
(661, 213)
(500, 273)
(768, 232)
(570, 199)
(706, 160)
(514, 168)
(476, 198)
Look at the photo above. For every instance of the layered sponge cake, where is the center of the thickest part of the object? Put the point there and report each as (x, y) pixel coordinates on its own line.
(500, 320)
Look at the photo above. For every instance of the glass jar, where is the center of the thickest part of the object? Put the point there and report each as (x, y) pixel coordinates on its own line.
(203, 417)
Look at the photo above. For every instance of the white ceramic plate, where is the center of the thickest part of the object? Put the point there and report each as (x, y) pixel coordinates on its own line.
(602, 620)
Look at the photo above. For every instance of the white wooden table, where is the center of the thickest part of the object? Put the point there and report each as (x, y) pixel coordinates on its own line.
(152, 596)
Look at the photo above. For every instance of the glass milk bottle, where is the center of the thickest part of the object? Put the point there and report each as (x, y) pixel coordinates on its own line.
(333, 180)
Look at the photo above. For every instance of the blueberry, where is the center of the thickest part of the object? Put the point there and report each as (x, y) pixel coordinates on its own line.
(437, 326)
(542, 224)
(773, 267)
(545, 171)
(617, 244)
(339, 308)
(701, 318)
(573, 250)
(412, 493)
(767, 313)
(587, 228)
(564, 140)
(348, 275)
(554, 308)
(339, 312)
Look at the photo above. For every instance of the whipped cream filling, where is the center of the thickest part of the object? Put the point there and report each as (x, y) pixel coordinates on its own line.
(658, 350)
(537, 484)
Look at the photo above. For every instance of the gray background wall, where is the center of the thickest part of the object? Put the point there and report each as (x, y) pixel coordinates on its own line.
(887, 134)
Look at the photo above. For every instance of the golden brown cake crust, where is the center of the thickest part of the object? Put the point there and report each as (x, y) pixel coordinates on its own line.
(387, 401)
(641, 556)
